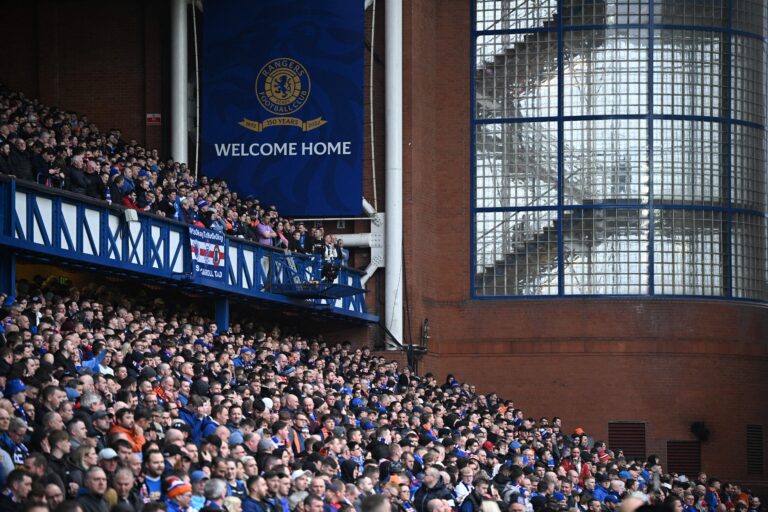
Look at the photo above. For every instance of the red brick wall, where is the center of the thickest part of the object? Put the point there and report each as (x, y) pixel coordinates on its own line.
(19, 26)
(665, 362)
(156, 55)
(100, 59)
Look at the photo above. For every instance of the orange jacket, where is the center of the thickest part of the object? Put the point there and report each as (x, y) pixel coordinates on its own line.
(136, 440)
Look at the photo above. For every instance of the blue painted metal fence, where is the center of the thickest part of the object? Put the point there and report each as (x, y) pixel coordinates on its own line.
(45, 223)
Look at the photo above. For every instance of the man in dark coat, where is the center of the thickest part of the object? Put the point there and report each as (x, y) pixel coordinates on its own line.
(92, 179)
(432, 488)
(95, 486)
(17, 487)
(168, 204)
(122, 482)
(76, 181)
(20, 161)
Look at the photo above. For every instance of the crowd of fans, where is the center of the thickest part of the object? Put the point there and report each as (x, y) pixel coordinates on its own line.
(115, 403)
(62, 150)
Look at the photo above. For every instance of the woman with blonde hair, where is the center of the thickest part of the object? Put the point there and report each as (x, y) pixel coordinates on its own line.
(233, 504)
(80, 461)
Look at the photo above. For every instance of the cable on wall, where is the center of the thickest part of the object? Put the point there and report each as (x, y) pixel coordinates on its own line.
(197, 92)
(370, 98)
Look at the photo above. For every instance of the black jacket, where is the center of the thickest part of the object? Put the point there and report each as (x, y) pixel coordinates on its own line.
(116, 193)
(59, 359)
(76, 181)
(93, 503)
(21, 165)
(40, 168)
(5, 164)
(7, 504)
(424, 495)
(167, 207)
(133, 500)
(93, 182)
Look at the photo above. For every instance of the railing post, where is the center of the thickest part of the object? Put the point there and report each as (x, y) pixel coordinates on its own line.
(7, 207)
(222, 313)
(270, 270)
(7, 272)
(7, 257)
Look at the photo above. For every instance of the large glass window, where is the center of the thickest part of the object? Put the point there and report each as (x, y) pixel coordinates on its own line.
(619, 148)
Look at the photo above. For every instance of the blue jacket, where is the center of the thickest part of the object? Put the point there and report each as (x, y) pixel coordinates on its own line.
(197, 502)
(251, 505)
(208, 427)
(600, 493)
(712, 499)
(173, 506)
(93, 363)
(471, 503)
(195, 424)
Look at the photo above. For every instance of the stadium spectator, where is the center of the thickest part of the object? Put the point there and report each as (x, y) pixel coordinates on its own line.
(133, 401)
(179, 495)
(574, 462)
(125, 428)
(124, 490)
(6, 167)
(215, 492)
(266, 235)
(167, 205)
(432, 488)
(19, 160)
(76, 180)
(130, 200)
(92, 499)
(17, 486)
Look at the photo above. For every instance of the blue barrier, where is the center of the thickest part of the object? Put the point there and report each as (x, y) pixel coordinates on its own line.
(44, 223)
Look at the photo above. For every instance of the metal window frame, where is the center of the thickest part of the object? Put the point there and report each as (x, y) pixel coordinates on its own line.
(728, 211)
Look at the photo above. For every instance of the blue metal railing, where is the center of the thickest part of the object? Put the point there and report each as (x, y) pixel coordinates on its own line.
(53, 225)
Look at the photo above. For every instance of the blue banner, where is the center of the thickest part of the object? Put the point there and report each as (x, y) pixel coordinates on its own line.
(282, 102)
(208, 250)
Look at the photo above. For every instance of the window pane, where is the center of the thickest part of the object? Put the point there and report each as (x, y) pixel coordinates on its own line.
(606, 251)
(606, 162)
(688, 252)
(516, 253)
(606, 72)
(516, 164)
(615, 157)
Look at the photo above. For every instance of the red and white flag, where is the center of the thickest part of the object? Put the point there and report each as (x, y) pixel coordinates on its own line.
(207, 253)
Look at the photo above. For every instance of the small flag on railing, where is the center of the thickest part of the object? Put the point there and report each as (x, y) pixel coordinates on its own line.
(208, 249)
